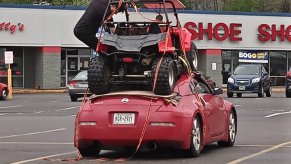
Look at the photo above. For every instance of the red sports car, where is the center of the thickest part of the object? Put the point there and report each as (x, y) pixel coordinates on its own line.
(191, 117)
(3, 91)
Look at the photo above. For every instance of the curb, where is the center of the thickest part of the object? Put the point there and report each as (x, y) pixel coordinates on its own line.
(31, 91)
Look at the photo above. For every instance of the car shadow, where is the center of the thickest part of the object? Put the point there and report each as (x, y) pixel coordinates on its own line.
(157, 155)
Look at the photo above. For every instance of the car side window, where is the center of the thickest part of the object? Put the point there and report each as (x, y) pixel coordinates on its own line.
(198, 86)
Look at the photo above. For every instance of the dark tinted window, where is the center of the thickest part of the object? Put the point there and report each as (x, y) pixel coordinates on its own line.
(247, 70)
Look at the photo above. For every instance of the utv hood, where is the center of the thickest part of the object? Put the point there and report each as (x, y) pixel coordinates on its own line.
(132, 43)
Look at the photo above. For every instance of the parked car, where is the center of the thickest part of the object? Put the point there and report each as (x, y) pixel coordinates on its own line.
(191, 117)
(78, 86)
(249, 78)
(288, 83)
(3, 91)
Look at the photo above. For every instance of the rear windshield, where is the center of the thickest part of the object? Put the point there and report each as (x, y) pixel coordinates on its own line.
(81, 76)
(247, 70)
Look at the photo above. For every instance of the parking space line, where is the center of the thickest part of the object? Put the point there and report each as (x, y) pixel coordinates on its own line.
(259, 153)
(39, 143)
(67, 108)
(41, 158)
(5, 107)
(276, 114)
(28, 134)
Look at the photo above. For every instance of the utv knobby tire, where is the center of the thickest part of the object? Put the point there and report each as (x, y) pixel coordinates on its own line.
(192, 57)
(99, 76)
(166, 77)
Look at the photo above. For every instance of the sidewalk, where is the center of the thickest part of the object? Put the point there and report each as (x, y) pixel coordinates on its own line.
(65, 90)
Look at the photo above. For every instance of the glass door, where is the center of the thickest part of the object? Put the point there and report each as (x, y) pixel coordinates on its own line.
(72, 67)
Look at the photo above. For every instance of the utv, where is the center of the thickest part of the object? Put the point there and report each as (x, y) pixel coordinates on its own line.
(140, 46)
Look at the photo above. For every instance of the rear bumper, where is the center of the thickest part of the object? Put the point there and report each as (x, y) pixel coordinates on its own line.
(108, 135)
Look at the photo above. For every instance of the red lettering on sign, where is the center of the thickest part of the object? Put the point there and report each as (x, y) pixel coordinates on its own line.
(271, 33)
(11, 27)
(220, 31)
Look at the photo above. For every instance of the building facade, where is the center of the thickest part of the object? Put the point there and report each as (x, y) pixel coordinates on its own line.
(47, 54)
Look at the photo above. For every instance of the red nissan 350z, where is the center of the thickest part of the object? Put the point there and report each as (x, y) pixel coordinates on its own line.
(193, 116)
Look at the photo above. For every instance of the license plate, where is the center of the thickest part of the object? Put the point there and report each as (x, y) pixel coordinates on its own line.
(242, 88)
(123, 118)
(83, 85)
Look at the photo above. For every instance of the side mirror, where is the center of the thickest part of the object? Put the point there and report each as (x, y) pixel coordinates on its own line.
(217, 91)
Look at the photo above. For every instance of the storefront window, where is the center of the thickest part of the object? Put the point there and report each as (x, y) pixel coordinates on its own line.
(226, 65)
(16, 67)
(63, 67)
(278, 67)
(289, 59)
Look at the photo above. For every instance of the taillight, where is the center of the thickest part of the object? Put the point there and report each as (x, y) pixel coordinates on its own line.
(289, 74)
(72, 83)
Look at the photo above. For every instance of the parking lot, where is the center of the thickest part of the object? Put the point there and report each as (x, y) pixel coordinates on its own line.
(34, 127)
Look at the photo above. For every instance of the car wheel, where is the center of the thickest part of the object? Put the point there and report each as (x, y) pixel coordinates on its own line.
(232, 129)
(239, 94)
(89, 151)
(166, 76)
(261, 92)
(192, 57)
(4, 94)
(196, 138)
(74, 98)
(99, 76)
(288, 94)
(229, 94)
(269, 92)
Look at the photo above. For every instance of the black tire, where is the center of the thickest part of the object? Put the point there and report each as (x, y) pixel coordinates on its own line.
(261, 92)
(269, 92)
(232, 130)
(196, 138)
(74, 98)
(239, 94)
(192, 57)
(90, 151)
(4, 94)
(99, 76)
(229, 94)
(288, 94)
(166, 77)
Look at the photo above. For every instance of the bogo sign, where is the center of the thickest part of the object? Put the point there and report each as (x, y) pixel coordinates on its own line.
(8, 57)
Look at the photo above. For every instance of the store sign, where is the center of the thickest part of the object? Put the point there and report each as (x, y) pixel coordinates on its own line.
(232, 32)
(274, 32)
(8, 57)
(219, 31)
(253, 57)
(8, 26)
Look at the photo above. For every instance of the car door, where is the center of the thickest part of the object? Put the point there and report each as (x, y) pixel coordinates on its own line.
(214, 108)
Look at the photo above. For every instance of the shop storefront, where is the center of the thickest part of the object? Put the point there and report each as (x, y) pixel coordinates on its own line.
(47, 54)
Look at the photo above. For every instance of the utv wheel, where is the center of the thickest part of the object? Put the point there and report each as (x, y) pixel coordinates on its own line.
(232, 129)
(196, 138)
(261, 92)
(269, 92)
(192, 57)
(89, 151)
(229, 94)
(166, 77)
(99, 76)
(4, 94)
